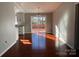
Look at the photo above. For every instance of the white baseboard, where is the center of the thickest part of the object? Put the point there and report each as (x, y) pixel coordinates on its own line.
(66, 43)
(8, 48)
(70, 46)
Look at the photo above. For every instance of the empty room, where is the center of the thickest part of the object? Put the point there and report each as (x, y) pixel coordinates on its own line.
(39, 29)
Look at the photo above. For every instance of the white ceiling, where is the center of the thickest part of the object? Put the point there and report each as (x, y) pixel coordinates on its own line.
(36, 7)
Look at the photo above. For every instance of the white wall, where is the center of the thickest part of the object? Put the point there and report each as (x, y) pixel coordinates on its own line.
(8, 31)
(64, 22)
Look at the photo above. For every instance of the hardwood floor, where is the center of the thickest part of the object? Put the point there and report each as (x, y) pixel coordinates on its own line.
(38, 45)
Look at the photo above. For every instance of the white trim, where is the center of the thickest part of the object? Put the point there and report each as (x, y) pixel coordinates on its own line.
(8, 48)
(66, 43)
(70, 46)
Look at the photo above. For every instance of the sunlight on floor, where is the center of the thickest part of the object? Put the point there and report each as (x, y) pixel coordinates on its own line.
(25, 42)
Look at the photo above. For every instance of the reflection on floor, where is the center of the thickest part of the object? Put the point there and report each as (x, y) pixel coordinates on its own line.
(37, 44)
